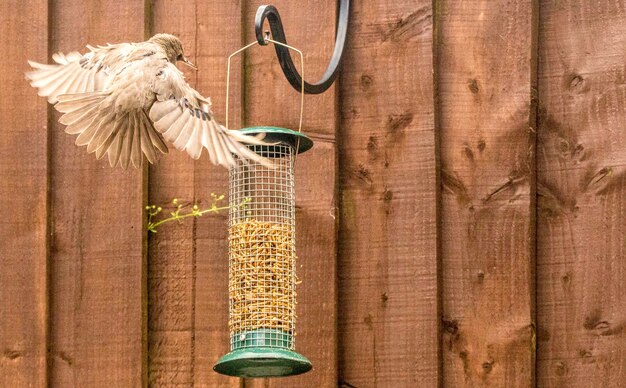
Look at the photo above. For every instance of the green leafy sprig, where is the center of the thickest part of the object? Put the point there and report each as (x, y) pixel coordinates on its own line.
(183, 211)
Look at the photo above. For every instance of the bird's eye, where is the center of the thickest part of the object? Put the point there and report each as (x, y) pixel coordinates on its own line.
(179, 57)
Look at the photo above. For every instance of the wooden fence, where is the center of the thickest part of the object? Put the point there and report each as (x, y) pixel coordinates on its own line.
(461, 219)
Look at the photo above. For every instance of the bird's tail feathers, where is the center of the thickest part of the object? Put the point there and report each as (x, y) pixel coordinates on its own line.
(124, 136)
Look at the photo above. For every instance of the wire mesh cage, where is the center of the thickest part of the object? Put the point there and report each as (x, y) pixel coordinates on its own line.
(262, 260)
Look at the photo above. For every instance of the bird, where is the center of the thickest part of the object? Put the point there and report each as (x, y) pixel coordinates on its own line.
(126, 100)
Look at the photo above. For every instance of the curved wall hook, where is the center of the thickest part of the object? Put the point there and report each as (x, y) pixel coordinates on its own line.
(270, 13)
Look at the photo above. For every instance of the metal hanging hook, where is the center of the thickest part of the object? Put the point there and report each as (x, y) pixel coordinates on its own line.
(270, 13)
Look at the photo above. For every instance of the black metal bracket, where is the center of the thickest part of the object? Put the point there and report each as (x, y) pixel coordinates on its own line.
(270, 13)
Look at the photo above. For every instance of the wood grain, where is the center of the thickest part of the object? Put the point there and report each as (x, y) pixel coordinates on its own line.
(270, 100)
(388, 322)
(189, 262)
(581, 236)
(485, 78)
(97, 252)
(24, 189)
(171, 251)
(219, 34)
(85, 302)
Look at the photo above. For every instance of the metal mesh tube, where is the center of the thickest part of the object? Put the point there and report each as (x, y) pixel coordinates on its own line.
(262, 255)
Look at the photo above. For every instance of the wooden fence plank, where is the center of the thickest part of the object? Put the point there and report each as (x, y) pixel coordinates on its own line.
(389, 317)
(24, 189)
(188, 262)
(270, 100)
(171, 260)
(485, 76)
(97, 280)
(581, 239)
(219, 34)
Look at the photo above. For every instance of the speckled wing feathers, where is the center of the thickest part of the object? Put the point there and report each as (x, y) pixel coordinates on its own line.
(184, 118)
(76, 73)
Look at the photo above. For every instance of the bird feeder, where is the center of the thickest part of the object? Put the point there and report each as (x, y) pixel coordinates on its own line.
(262, 260)
(262, 257)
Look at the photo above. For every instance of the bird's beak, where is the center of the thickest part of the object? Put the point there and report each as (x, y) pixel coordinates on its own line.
(188, 63)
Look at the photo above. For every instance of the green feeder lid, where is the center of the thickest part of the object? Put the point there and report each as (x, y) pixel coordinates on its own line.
(262, 362)
(277, 134)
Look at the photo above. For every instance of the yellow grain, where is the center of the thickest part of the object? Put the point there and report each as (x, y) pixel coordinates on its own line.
(262, 276)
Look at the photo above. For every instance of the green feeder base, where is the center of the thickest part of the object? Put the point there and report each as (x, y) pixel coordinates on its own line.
(262, 353)
(262, 362)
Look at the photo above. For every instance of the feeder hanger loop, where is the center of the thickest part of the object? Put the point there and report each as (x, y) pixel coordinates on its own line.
(270, 13)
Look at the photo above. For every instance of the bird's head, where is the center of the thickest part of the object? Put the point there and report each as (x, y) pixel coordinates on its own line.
(173, 48)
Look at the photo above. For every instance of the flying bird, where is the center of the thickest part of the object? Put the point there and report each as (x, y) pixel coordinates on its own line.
(125, 99)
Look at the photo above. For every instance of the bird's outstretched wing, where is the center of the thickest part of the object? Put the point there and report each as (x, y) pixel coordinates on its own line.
(116, 121)
(184, 118)
(75, 73)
